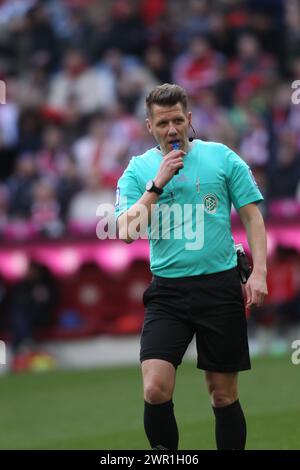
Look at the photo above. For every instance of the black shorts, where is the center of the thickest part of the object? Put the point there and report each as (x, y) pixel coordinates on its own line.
(210, 306)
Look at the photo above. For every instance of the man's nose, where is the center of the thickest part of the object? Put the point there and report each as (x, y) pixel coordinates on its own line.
(172, 130)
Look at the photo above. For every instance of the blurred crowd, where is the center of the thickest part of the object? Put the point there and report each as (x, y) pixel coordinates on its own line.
(76, 73)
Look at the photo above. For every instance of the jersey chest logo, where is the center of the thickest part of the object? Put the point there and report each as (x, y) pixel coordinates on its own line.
(210, 202)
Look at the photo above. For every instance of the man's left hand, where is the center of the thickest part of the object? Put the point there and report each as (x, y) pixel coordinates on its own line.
(256, 289)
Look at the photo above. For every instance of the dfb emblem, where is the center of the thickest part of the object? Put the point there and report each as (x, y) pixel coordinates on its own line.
(210, 203)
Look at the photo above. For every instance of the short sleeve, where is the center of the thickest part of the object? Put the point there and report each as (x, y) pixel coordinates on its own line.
(242, 186)
(128, 191)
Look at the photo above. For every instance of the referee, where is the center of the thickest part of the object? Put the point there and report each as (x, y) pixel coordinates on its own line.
(181, 192)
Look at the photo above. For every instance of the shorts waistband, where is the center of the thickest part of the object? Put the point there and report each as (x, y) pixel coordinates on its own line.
(177, 280)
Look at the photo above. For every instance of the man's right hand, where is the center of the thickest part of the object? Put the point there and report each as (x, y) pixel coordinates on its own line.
(172, 162)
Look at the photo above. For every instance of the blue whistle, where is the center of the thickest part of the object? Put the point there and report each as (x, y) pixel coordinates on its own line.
(175, 146)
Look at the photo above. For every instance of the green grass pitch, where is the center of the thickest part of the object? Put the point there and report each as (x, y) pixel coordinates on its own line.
(103, 408)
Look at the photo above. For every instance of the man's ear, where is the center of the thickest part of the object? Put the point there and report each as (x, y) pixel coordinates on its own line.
(189, 116)
(149, 127)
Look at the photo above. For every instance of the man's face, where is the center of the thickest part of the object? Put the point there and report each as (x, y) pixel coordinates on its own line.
(169, 124)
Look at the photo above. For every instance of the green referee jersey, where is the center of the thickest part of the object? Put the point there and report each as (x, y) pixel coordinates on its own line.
(190, 230)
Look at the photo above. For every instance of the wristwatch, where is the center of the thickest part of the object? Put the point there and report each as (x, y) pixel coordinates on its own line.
(150, 186)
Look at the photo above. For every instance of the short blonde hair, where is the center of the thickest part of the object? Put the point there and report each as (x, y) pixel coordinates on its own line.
(167, 95)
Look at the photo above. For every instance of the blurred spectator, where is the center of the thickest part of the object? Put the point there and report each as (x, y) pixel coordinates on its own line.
(282, 309)
(251, 69)
(59, 17)
(53, 155)
(221, 34)
(293, 27)
(33, 83)
(83, 208)
(237, 16)
(141, 144)
(32, 304)
(128, 30)
(126, 129)
(4, 205)
(133, 85)
(30, 127)
(199, 67)
(80, 82)
(195, 22)
(158, 64)
(151, 11)
(80, 30)
(12, 9)
(20, 186)
(284, 178)
(281, 107)
(40, 38)
(100, 34)
(68, 185)
(98, 151)
(266, 19)
(254, 146)
(210, 119)
(129, 78)
(45, 210)
(161, 34)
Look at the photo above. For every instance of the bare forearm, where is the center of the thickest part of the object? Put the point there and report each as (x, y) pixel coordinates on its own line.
(256, 286)
(137, 218)
(256, 235)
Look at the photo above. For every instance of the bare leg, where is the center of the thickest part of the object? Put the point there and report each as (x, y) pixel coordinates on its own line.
(230, 421)
(159, 420)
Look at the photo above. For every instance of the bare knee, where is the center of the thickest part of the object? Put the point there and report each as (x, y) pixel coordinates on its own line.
(222, 388)
(220, 398)
(155, 393)
(159, 381)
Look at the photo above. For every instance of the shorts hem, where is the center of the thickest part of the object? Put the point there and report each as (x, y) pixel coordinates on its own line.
(223, 369)
(163, 357)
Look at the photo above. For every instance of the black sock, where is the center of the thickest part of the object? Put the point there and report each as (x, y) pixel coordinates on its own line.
(230, 427)
(160, 425)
